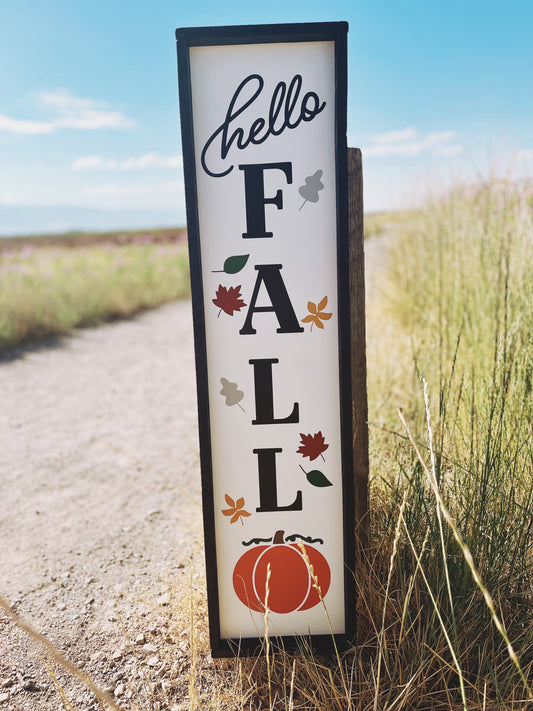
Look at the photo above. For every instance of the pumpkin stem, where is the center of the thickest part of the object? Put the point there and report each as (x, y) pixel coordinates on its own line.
(279, 537)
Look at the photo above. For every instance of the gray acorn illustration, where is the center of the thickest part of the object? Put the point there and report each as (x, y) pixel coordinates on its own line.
(312, 186)
(232, 394)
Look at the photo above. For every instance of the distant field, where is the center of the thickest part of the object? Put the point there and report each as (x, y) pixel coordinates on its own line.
(51, 284)
(86, 239)
(374, 223)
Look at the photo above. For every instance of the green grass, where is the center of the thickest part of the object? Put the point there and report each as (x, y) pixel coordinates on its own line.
(49, 290)
(445, 598)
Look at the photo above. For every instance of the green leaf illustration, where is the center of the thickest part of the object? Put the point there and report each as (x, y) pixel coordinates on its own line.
(316, 478)
(234, 264)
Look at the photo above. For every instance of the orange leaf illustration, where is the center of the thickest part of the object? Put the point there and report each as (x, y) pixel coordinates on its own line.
(236, 509)
(312, 445)
(317, 314)
(228, 300)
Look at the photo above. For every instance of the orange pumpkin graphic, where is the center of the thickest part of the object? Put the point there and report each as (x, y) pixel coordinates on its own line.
(290, 587)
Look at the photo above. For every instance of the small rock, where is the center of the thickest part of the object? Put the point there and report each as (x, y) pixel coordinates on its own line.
(118, 654)
(119, 691)
(165, 599)
(30, 685)
(153, 661)
(5, 697)
(97, 656)
(61, 606)
(150, 648)
(140, 639)
(5, 683)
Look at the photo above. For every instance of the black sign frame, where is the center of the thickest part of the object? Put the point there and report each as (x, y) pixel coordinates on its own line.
(259, 34)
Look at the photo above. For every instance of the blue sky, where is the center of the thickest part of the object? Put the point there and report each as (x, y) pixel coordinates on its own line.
(89, 115)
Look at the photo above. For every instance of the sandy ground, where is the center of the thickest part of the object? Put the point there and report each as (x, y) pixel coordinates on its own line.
(99, 501)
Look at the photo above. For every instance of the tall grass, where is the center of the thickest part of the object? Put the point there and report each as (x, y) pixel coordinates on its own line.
(48, 291)
(445, 600)
(461, 295)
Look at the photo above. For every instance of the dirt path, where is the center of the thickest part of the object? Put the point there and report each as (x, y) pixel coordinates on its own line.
(99, 500)
(100, 503)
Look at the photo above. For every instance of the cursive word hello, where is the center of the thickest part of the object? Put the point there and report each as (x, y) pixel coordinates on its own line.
(288, 108)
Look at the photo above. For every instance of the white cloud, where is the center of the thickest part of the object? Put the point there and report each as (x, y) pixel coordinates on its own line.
(147, 160)
(438, 138)
(453, 150)
(400, 136)
(11, 125)
(408, 142)
(70, 112)
(525, 154)
(113, 190)
(85, 114)
(153, 195)
(8, 199)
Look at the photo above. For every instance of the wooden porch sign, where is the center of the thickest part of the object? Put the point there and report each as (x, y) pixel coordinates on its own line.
(263, 114)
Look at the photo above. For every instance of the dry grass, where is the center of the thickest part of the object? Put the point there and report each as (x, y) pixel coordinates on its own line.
(445, 596)
(47, 290)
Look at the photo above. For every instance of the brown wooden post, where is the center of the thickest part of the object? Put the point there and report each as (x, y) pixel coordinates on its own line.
(358, 363)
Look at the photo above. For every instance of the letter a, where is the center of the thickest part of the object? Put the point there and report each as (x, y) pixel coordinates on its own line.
(269, 274)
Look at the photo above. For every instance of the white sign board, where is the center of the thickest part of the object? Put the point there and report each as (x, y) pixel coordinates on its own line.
(263, 125)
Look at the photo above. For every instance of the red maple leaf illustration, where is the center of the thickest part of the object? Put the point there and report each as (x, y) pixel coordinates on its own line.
(312, 445)
(229, 300)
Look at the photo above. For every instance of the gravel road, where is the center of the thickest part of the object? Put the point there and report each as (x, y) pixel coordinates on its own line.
(100, 500)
